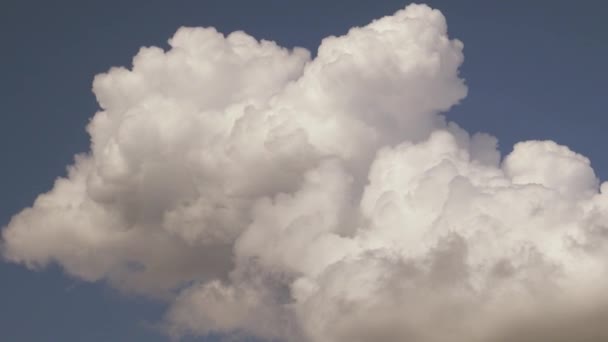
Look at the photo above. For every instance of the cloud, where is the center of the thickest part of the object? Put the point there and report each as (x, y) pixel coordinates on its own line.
(267, 193)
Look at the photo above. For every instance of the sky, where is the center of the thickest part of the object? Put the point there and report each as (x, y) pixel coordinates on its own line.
(534, 70)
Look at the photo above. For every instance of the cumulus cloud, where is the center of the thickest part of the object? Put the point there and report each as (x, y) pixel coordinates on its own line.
(267, 193)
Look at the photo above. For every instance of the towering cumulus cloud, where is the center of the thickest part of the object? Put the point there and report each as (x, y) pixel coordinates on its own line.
(268, 194)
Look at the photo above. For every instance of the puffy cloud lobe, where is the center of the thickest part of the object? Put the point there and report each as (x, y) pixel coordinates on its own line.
(266, 193)
(551, 165)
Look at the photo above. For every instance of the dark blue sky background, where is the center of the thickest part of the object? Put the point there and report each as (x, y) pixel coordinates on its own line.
(535, 70)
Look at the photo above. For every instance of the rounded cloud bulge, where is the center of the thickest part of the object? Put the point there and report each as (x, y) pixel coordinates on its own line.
(263, 192)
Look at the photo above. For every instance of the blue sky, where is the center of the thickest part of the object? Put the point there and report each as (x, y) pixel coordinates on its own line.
(535, 70)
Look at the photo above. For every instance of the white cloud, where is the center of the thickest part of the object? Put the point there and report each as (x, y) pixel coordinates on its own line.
(325, 199)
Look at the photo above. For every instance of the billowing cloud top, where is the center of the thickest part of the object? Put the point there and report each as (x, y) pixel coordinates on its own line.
(266, 193)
